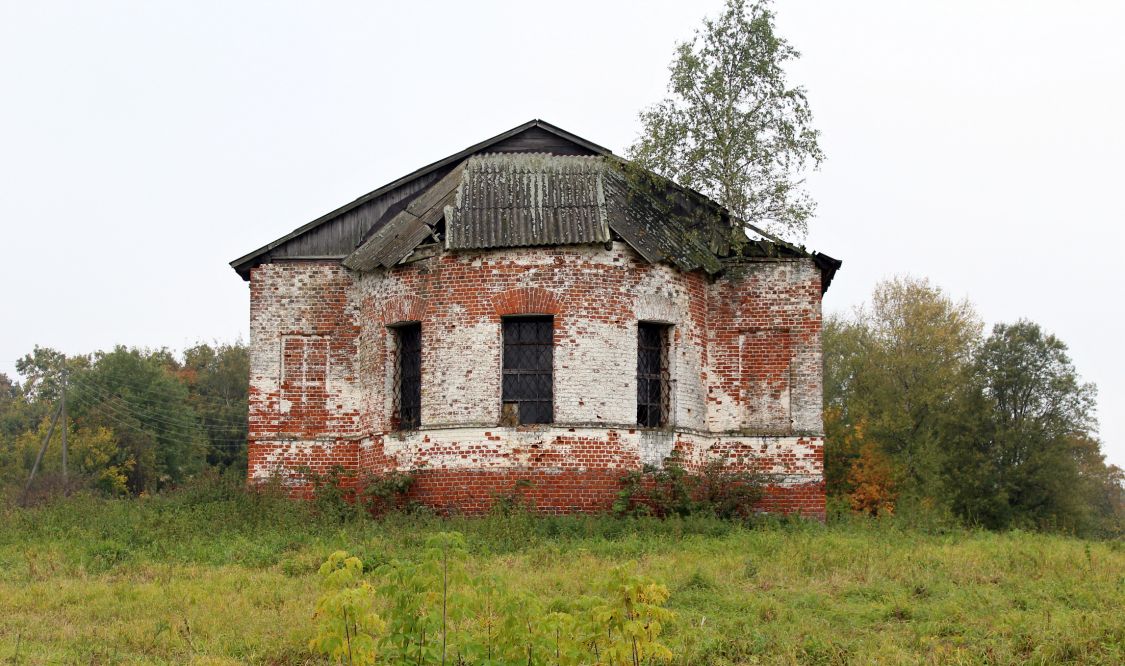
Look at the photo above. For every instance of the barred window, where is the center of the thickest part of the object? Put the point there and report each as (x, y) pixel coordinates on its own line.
(527, 391)
(652, 374)
(408, 376)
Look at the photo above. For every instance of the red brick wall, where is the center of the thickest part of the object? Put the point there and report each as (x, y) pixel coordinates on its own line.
(745, 363)
(764, 343)
(303, 333)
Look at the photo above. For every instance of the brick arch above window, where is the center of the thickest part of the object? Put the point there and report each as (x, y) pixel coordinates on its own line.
(399, 309)
(651, 307)
(526, 301)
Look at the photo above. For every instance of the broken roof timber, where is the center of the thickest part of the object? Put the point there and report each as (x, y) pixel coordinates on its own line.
(396, 239)
(532, 199)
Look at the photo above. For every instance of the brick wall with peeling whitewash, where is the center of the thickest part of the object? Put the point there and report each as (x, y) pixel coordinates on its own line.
(744, 362)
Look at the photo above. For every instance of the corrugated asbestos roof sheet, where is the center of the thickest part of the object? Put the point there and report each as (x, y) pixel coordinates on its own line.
(526, 199)
(512, 200)
(651, 221)
(515, 200)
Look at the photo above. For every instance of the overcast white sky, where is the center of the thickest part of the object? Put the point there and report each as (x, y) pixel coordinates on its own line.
(143, 145)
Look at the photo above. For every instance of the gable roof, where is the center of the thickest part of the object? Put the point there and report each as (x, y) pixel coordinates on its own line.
(562, 189)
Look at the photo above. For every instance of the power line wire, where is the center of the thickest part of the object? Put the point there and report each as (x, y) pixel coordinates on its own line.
(98, 385)
(119, 421)
(140, 410)
(123, 410)
(101, 385)
(177, 429)
(140, 429)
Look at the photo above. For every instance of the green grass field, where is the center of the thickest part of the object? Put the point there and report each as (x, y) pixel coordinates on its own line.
(217, 576)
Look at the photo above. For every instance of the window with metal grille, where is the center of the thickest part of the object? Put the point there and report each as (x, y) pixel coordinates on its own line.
(408, 376)
(527, 391)
(652, 374)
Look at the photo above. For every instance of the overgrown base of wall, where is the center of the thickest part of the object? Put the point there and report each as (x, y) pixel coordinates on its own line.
(555, 492)
(553, 469)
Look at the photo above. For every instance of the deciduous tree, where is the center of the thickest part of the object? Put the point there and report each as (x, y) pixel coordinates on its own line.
(1031, 457)
(138, 395)
(896, 367)
(733, 127)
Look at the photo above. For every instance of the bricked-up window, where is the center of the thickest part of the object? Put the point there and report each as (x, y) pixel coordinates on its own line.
(304, 376)
(652, 374)
(408, 375)
(527, 392)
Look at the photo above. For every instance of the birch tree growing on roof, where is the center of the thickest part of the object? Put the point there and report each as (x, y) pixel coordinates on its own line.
(732, 126)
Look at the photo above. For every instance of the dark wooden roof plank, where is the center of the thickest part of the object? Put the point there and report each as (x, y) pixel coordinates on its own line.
(404, 243)
(368, 255)
(401, 247)
(435, 195)
(398, 237)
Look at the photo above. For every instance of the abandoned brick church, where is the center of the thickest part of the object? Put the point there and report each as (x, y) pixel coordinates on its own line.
(535, 311)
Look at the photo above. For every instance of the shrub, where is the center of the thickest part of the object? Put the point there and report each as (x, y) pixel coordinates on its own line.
(872, 478)
(514, 501)
(387, 491)
(347, 627)
(727, 494)
(333, 494)
(339, 497)
(672, 491)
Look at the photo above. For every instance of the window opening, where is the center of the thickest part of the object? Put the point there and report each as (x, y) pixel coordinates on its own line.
(652, 374)
(527, 382)
(408, 376)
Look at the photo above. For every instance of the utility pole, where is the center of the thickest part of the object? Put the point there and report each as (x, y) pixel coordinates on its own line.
(42, 450)
(59, 412)
(65, 480)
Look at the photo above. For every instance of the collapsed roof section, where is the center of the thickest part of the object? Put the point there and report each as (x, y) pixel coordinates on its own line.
(535, 185)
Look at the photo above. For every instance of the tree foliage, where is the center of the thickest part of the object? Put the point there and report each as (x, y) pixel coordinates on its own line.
(95, 454)
(891, 369)
(217, 381)
(1034, 450)
(139, 420)
(997, 431)
(732, 126)
(872, 481)
(138, 395)
(1033, 384)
